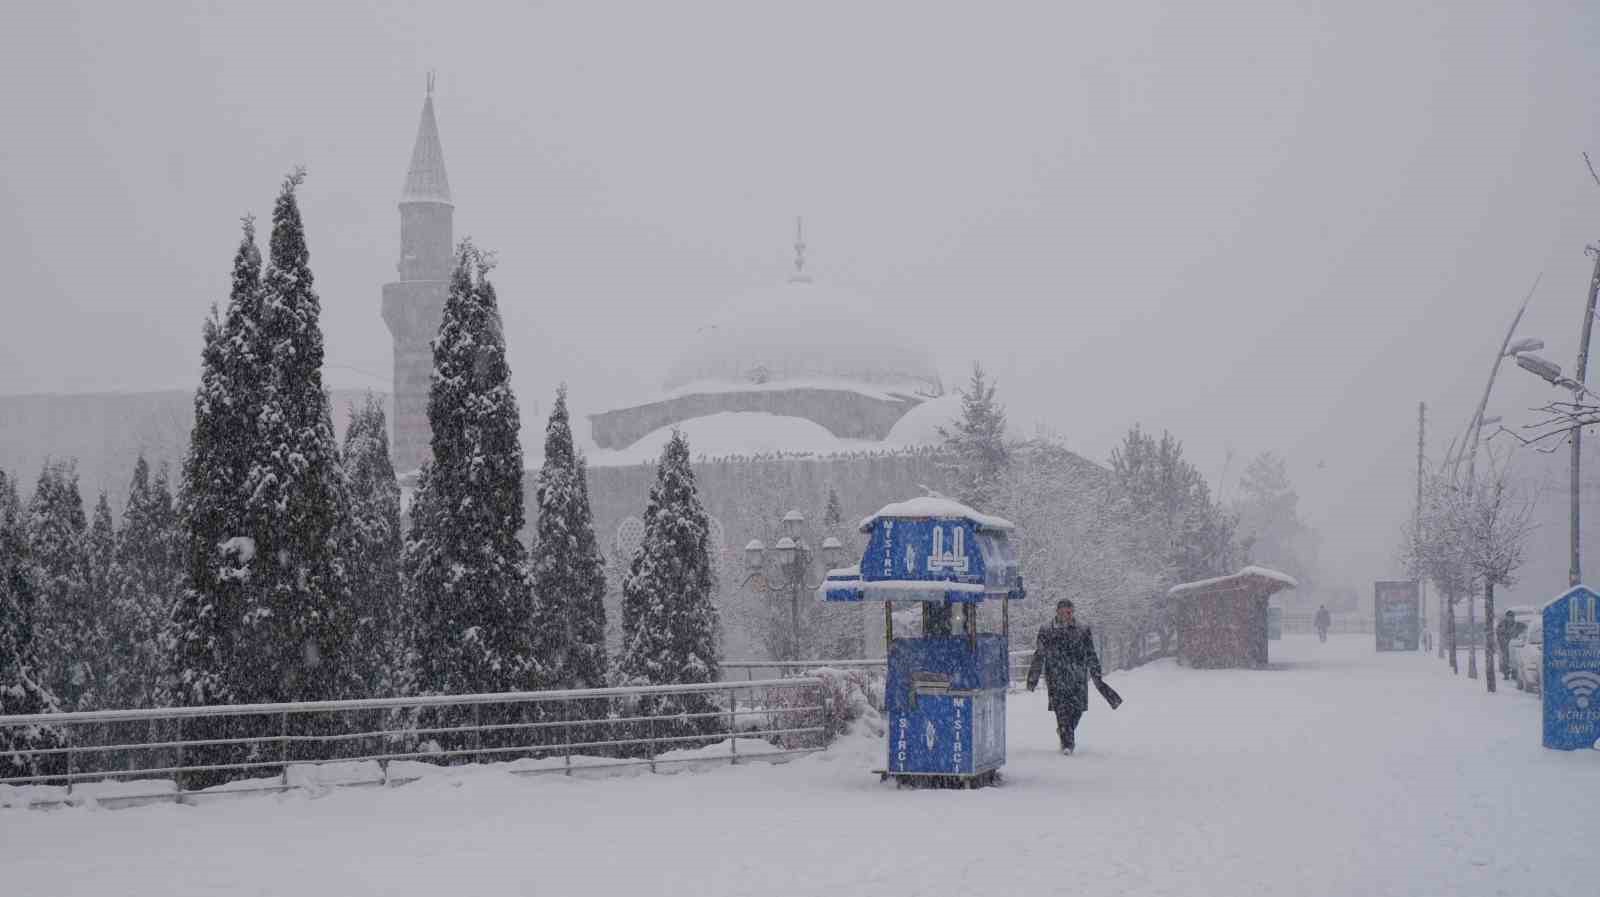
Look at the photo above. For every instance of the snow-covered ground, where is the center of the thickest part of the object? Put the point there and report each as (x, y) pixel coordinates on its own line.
(1338, 772)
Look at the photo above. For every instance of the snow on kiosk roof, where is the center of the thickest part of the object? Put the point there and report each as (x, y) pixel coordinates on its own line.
(930, 549)
(936, 507)
(1249, 579)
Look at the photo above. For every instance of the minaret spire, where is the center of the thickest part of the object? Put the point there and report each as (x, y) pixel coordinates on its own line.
(414, 305)
(425, 178)
(799, 275)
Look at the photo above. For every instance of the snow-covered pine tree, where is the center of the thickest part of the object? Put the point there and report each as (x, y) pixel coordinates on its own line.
(568, 570)
(148, 578)
(669, 616)
(466, 572)
(833, 514)
(374, 561)
(96, 659)
(233, 376)
(21, 688)
(296, 620)
(977, 441)
(56, 529)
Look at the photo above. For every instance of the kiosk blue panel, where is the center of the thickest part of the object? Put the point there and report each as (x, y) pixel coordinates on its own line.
(928, 550)
(1571, 682)
(933, 737)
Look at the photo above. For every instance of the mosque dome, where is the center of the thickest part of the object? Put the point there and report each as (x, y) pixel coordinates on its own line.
(805, 333)
(823, 365)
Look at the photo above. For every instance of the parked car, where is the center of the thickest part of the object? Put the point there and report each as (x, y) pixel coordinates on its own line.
(1527, 656)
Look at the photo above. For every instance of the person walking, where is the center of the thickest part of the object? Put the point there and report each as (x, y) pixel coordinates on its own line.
(1507, 629)
(1066, 657)
(1323, 621)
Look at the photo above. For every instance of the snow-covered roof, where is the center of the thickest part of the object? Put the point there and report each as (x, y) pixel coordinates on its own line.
(1260, 577)
(734, 433)
(936, 506)
(885, 391)
(801, 331)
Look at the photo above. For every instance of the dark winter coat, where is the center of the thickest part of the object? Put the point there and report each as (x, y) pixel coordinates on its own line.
(1066, 657)
(1324, 619)
(1507, 629)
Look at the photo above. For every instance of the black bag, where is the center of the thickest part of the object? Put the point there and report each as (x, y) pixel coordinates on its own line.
(1107, 692)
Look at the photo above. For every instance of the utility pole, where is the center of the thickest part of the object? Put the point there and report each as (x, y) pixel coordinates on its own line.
(1575, 574)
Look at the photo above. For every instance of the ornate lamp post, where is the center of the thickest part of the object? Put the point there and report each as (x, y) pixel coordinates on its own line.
(786, 567)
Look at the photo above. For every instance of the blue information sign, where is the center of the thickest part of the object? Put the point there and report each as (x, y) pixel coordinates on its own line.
(959, 734)
(926, 550)
(1397, 615)
(1571, 682)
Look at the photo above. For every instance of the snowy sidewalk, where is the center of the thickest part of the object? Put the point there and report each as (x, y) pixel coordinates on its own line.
(1338, 772)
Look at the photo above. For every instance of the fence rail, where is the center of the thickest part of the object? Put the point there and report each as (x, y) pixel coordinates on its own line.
(206, 749)
(782, 668)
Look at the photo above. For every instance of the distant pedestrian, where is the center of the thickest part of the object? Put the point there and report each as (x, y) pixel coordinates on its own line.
(1323, 621)
(1507, 629)
(1065, 655)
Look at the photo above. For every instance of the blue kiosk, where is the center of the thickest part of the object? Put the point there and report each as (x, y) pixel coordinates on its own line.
(945, 692)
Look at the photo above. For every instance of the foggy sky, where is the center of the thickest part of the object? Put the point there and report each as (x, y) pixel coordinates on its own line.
(1258, 227)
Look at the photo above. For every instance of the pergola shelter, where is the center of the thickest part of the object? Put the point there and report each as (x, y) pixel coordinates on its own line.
(1222, 623)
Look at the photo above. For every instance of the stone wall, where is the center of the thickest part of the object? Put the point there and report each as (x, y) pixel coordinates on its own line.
(745, 496)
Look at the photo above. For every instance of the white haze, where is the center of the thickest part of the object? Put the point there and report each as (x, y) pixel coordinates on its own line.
(1256, 225)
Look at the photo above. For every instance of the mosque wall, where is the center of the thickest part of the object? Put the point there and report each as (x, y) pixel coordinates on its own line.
(845, 414)
(745, 497)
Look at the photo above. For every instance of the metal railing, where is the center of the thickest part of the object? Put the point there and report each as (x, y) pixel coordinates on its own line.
(192, 750)
(1302, 622)
(781, 668)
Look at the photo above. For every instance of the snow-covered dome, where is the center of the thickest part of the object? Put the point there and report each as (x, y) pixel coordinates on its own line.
(733, 433)
(802, 332)
(920, 426)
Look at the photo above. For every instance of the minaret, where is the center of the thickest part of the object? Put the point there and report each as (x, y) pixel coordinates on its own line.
(414, 305)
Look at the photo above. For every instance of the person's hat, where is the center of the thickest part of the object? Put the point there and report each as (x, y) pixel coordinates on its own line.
(1065, 602)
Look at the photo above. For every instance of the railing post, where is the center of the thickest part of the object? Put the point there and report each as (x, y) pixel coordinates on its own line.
(826, 736)
(733, 724)
(477, 733)
(283, 745)
(72, 756)
(566, 728)
(652, 742)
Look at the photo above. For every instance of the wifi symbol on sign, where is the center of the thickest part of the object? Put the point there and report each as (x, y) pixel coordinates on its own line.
(1583, 684)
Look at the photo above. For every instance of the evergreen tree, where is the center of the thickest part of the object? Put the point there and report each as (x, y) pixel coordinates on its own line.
(374, 560)
(568, 570)
(977, 441)
(1182, 523)
(465, 568)
(148, 578)
(833, 513)
(1269, 519)
(22, 690)
(95, 647)
(233, 376)
(296, 620)
(669, 618)
(56, 529)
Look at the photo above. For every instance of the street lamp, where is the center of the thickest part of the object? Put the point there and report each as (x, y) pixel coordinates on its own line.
(1550, 372)
(1526, 344)
(786, 568)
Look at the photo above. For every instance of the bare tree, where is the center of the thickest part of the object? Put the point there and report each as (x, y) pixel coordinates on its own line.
(1496, 521)
(1473, 533)
(1435, 550)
